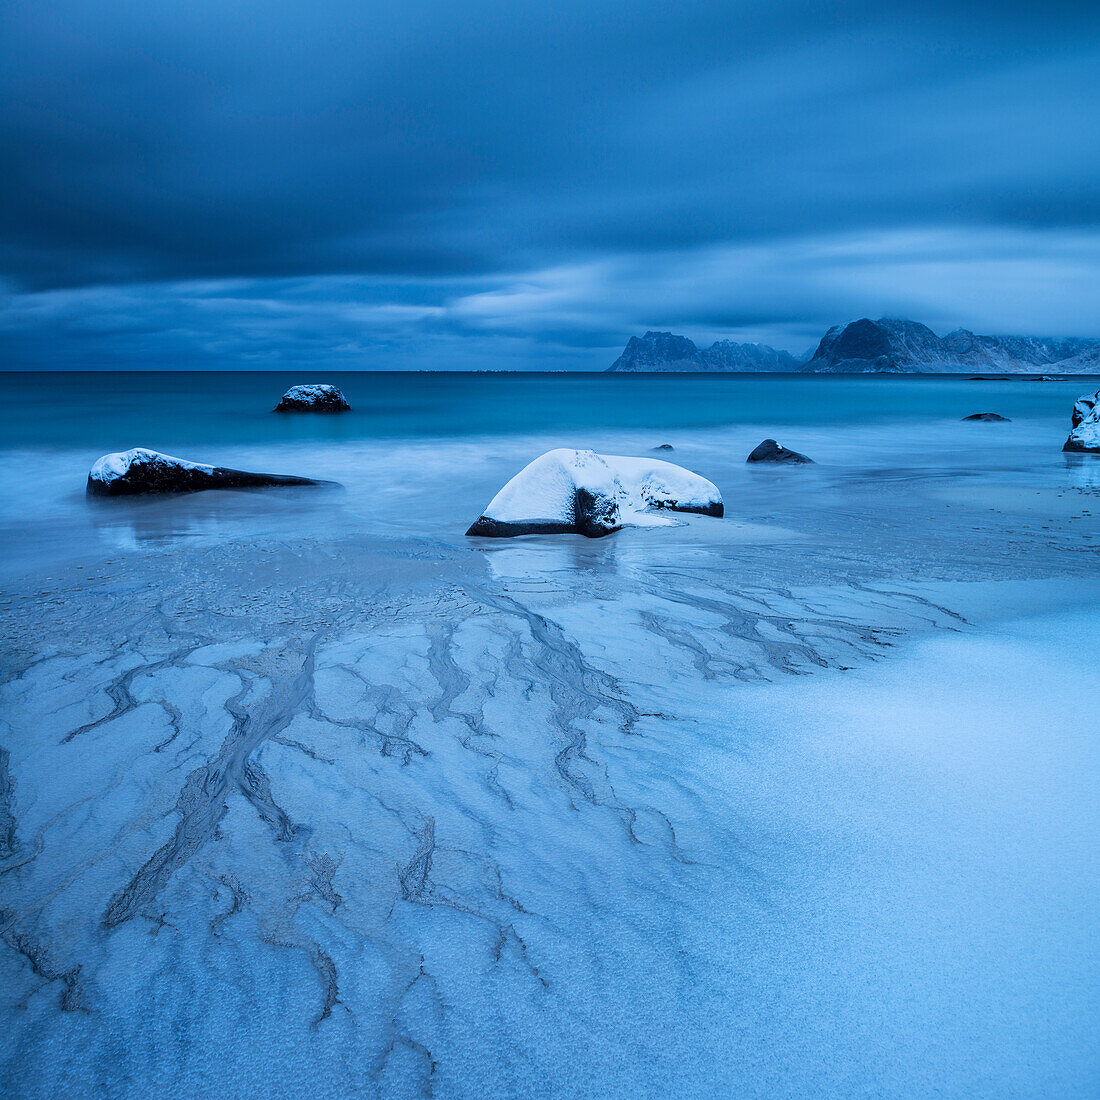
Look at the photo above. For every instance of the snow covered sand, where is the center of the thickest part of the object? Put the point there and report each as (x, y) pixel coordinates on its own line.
(524, 835)
(800, 801)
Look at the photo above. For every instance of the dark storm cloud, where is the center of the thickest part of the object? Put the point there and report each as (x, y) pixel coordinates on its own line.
(458, 155)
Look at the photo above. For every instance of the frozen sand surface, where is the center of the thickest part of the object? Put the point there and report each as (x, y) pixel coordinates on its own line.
(539, 831)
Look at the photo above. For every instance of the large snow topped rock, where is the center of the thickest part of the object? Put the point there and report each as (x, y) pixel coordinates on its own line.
(142, 471)
(313, 398)
(1085, 435)
(566, 491)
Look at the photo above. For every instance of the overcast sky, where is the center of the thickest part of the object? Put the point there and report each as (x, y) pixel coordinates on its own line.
(505, 184)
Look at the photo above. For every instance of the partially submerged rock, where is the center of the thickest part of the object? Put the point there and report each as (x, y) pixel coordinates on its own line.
(1085, 434)
(126, 473)
(313, 398)
(664, 447)
(770, 451)
(988, 418)
(567, 492)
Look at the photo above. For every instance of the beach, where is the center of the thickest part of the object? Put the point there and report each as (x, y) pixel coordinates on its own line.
(303, 791)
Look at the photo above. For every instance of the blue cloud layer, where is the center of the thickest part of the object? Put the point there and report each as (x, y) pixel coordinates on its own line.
(519, 184)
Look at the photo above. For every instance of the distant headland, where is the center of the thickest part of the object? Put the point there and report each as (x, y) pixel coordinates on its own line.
(888, 346)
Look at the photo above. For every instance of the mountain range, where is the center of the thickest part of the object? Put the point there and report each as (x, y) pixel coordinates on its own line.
(887, 345)
(664, 351)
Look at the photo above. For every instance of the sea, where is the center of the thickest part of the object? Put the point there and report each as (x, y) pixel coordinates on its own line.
(420, 453)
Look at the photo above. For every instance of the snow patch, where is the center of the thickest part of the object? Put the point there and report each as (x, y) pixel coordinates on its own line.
(113, 466)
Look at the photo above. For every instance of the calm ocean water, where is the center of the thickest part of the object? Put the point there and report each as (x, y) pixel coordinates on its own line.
(107, 411)
(421, 454)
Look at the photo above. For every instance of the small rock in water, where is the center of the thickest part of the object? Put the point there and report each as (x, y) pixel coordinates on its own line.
(1085, 434)
(664, 447)
(988, 417)
(313, 398)
(580, 492)
(770, 451)
(126, 473)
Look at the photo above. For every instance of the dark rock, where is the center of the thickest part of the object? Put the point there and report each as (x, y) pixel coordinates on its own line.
(988, 417)
(594, 515)
(128, 473)
(770, 451)
(664, 447)
(313, 398)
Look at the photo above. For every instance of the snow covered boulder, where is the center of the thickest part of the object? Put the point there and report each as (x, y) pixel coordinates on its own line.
(313, 398)
(566, 491)
(988, 418)
(1085, 435)
(770, 451)
(142, 471)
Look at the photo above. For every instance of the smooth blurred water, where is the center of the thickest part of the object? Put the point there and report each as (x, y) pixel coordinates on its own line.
(110, 411)
(421, 454)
